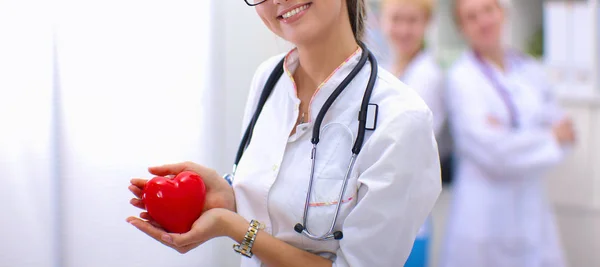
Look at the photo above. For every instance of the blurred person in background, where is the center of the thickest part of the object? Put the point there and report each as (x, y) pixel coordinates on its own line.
(508, 132)
(404, 24)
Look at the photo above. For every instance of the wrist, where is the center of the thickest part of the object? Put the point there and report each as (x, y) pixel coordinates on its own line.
(235, 226)
(233, 206)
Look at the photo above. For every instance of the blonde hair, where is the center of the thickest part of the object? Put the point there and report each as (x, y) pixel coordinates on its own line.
(428, 5)
(357, 11)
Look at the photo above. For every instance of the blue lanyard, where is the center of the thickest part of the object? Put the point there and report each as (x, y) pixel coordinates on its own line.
(500, 88)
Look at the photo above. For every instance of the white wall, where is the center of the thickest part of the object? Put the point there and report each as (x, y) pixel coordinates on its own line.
(575, 189)
(133, 84)
(27, 198)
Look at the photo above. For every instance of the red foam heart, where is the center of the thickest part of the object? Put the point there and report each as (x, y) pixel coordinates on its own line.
(175, 203)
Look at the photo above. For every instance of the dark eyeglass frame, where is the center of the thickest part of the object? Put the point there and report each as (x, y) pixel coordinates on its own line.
(255, 4)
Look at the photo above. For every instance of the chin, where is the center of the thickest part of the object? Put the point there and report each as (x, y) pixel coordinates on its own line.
(300, 37)
(488, 45)
(403, 52)
(406, 49)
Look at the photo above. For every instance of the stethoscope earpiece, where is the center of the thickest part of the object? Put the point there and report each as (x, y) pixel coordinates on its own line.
(299, 228)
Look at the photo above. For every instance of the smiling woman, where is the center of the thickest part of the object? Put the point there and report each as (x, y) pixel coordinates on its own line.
(357, 200)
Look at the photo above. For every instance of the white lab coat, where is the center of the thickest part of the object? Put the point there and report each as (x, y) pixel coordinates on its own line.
(425, 76)
(394, 184)
(500, 216)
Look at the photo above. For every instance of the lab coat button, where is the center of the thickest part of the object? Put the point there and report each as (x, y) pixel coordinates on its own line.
(275, 167)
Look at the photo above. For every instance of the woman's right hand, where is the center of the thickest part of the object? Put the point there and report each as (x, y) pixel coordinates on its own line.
(219, 194)
(564, 132)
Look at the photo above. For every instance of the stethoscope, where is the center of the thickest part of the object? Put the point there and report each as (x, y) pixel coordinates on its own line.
(500, 89)
(302, 228)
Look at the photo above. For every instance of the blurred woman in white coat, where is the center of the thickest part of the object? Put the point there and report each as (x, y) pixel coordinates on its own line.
(404, 24)
(508, 132)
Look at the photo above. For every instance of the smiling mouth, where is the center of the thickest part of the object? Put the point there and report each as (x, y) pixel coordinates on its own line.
(294, 12)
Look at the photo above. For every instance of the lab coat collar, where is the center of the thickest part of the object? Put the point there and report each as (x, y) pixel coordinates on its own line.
(327, 87)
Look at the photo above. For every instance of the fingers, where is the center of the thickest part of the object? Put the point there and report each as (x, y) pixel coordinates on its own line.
(139, 183)
(135, 190)
(182, 240)
(159, 234)
(137, 203)
(147, 228)
(146, 216)
(174, 169)
(174, 240)
(170, 169)
(572, 135)
(186, 249)
(493, 121)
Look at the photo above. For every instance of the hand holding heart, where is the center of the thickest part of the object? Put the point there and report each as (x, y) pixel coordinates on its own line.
(218, 201)
(219, 193)
(207, 227)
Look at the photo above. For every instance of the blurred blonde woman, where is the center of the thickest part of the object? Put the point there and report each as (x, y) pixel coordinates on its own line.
(509, 132)
(404, 24)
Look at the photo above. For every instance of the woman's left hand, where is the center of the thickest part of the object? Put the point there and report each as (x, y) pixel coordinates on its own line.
(208, 226)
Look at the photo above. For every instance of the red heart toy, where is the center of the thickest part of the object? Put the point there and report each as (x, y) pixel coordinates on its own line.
(175, 203)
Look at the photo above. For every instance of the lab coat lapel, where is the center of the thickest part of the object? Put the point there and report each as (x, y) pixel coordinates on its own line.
(330, 84)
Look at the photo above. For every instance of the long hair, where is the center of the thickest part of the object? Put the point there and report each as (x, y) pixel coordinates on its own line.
(357, 11)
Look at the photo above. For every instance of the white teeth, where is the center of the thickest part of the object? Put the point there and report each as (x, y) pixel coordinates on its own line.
(294, 12)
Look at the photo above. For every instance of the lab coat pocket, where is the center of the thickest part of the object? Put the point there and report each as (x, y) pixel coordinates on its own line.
(334, 152)
(325, 200)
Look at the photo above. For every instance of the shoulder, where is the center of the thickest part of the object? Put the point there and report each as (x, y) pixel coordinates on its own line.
(397, 101)
(262, 74)
(404, 122)
(428, 64)
(524, 59)
(530, 65)
(258, 82)
(462, 67)
(266, 67)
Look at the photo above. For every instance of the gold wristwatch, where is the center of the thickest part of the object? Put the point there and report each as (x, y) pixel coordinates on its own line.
(245, 248)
